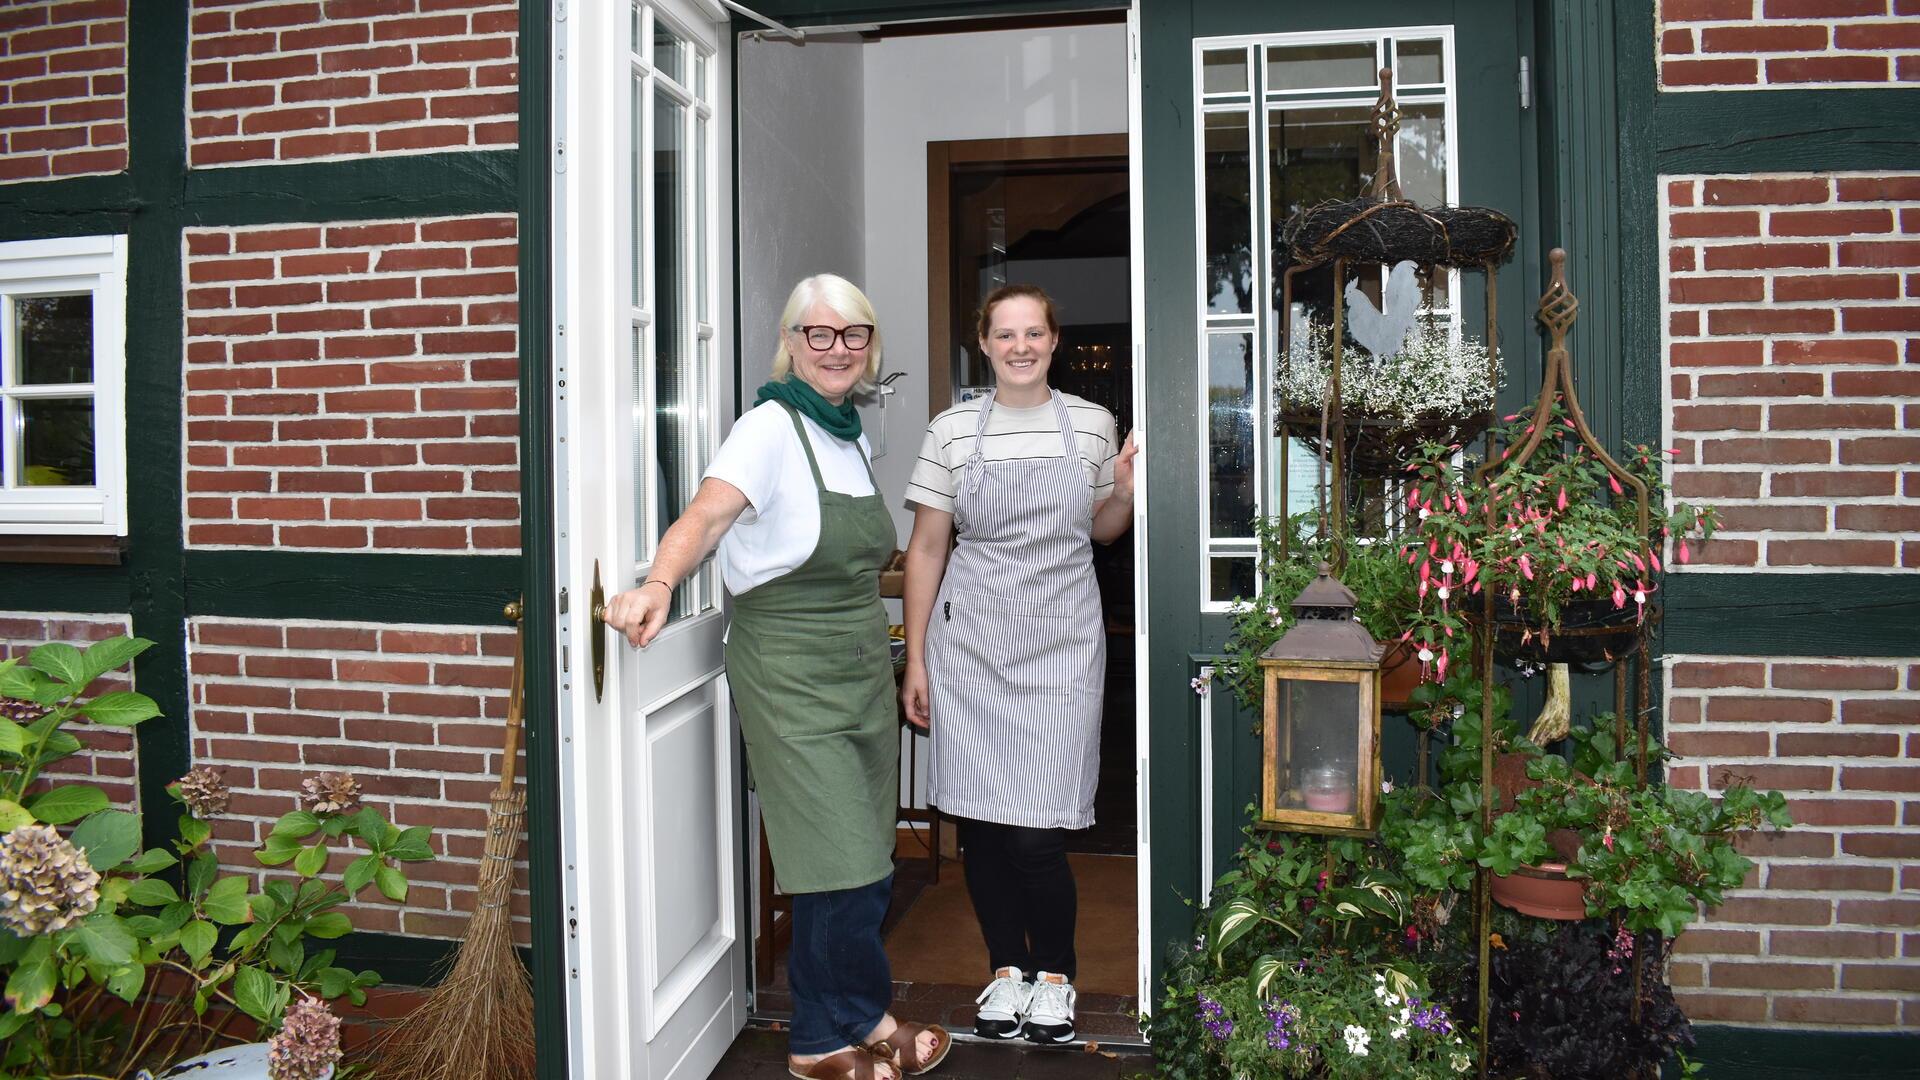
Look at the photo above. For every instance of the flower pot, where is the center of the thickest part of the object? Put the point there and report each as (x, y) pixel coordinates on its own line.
(1592, 633)
(1399, 676)
(1544, 891)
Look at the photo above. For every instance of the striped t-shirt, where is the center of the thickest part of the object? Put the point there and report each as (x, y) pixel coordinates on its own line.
(1012, 435)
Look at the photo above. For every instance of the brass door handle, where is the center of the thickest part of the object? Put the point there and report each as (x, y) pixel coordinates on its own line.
(597, 631)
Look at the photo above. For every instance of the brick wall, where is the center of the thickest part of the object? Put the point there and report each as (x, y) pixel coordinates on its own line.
(109, 760)
(353, 386)
(1787, 44)
(1826, 932)
(63, 89)
(279, 81)
(414, 712)
(1792, 311)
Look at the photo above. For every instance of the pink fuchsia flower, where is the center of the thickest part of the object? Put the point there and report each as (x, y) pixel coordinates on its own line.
(1614, 483)
(1685, 556)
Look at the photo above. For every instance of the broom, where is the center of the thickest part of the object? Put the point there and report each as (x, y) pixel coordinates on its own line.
(478, 1023)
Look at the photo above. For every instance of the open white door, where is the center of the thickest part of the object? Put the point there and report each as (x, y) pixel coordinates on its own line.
(650, 777)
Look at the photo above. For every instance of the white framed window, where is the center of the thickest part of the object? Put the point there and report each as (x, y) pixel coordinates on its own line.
(63, 458)
(1281, 125)
(673, 208)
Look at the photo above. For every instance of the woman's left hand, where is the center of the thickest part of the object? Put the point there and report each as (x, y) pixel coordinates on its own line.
(1123, 470)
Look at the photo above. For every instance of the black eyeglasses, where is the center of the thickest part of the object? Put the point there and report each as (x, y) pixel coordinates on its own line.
(821, 338)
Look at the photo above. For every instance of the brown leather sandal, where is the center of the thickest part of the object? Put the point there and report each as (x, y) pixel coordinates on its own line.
(901, 1047)
(845, 1065)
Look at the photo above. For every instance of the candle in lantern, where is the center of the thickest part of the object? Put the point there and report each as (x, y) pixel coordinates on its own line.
(1328, 790)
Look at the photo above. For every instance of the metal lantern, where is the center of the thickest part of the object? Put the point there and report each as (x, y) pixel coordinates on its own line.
(1321, 757)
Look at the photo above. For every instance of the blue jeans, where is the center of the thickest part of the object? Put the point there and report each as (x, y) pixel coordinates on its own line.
(837, 968)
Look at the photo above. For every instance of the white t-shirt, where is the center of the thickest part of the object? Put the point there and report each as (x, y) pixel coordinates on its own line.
(780, 528)
(1012, 435)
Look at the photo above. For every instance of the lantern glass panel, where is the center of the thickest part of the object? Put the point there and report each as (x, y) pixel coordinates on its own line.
(1318, 766)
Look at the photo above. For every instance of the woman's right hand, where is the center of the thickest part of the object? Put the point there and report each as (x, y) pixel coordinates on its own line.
(913, 695)
(640, 613)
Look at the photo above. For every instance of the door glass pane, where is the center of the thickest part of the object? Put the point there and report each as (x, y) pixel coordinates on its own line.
(1223, 71)
(674, 463)
(1417, 63)
(1422, 153)
(1322, 67)
(642, 445)
(701, 309)
(1230, 425)
(1229, 214)
(639, 148)
(56, 441)
(54, 336)
(1230, 578)
(669, 52)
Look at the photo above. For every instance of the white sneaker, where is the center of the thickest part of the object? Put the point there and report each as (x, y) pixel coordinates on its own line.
(1050, 1009)
(1003, 1005)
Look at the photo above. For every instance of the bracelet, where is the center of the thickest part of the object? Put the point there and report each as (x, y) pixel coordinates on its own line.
(656, 581)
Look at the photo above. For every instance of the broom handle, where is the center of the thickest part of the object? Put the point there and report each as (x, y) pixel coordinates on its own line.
(516, 705)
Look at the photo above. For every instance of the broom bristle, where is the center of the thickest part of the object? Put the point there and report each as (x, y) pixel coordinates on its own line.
(478, 1023)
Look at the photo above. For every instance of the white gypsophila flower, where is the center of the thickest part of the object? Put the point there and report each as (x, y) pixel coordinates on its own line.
(1434, 375)
(1398, 1032)
(1357, 1040)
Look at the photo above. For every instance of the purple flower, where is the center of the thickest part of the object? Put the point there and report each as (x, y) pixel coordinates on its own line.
(1213, 1017)
(1278, 1017)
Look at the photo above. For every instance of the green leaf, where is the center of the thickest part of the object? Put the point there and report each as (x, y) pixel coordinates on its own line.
(13, 737)
(112, 654)
(1231, 922)
(63, 662)
(31, 985)
(105, 939)
(287, 955)
(175, 916)
(370, 827)
(153, 861)
(330, 924)
(296, 825)
(1262, 974)
(277, 849)
(58, 745)
(335, 981)
(226, 901)
(200, 872)
(152, 892)
(126, 982)
(255, 992)
(392, 883)
(121, 708)
(11, 946)
(13, 815)
(109, 838)
(146, 927)
(68, 802)
(311, 860)
(358, 873)
(193, 831)
(412, 845)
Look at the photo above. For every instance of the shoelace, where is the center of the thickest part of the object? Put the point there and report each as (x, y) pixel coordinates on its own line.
(1003, 995)
(1050, 999)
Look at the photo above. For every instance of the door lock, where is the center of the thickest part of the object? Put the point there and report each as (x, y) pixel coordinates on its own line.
(597, 633)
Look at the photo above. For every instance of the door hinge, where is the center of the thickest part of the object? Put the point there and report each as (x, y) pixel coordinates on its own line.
(1526, 82)
(563, 601)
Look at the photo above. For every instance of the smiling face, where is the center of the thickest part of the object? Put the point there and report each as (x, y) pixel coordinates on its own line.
(836, 371)
(1020, 345)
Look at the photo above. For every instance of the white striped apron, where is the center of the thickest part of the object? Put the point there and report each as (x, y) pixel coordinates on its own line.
(1017, 645)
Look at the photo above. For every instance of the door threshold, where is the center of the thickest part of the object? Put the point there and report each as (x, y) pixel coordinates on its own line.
(1119, 1046)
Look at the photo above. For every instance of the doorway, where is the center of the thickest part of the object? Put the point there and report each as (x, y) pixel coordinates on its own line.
(930, 163)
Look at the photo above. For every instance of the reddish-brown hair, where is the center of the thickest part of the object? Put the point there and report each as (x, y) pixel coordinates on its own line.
(1009, 292)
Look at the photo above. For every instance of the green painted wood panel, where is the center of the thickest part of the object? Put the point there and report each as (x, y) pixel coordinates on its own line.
(352, 587)
(417, 185)
(94, 590)
(1785, 130)
(1761, 614)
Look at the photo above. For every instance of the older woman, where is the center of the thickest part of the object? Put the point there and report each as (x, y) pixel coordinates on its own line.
(1007, 649)
(802, 532)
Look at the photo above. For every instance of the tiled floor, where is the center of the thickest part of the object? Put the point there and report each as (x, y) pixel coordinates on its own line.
(761, 1054)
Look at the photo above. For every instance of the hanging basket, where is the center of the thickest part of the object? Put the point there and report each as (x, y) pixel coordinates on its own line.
(1592, 635)
(1395, 230)
(1380, 447)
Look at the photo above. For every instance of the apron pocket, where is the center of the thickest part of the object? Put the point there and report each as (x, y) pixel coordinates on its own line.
(809, 685)
(992, 640)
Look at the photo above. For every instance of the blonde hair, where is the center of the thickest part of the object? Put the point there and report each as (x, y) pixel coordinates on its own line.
(844, 299)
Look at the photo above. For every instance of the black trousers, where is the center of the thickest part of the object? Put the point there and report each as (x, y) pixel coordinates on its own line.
(1023, 892)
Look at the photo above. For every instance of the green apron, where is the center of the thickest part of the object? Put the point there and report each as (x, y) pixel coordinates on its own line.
(808, 660)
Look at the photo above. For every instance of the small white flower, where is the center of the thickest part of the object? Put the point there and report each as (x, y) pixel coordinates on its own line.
(1357, 1040)
(1405, 1014)
(1425, 654)
(1199, 685)
(1386, 787)
(1398, 1032)
(1445, 592)
(1425, 513)
(1446, 566)
(1461, 1063)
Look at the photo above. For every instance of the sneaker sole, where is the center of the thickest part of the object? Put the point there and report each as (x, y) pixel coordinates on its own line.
(998, 1036)
(1054, 1037)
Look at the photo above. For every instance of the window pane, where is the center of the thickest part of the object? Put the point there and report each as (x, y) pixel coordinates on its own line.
(55, 339)
(639, 148)
(1417, 63)
(642, 441)
(1231, 579)
(1223, 71)
(1230, 426)
(673, 388)
(1300, 466)
(701, 312)
(1422, 153)
(1318, 67)
(669, 52)
(56, 442)
(1318, 750)
(1229, 210)
(1317, 155)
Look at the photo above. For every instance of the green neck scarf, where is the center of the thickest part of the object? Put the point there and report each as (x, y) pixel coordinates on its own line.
(841, 421)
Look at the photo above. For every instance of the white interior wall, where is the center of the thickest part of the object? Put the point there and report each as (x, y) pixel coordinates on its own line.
(940, 87)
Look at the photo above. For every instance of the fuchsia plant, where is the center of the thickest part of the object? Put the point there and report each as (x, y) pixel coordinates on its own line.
(1540, 535)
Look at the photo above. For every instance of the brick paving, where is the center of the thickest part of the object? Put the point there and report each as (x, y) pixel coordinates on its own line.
(761, 1054)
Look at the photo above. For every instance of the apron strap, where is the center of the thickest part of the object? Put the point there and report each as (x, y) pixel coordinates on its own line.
(1069, 448)
(807, 445)
(975, 468)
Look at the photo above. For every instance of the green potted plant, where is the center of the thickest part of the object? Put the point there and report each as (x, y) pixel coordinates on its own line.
(1556, 539)
(1290, 558)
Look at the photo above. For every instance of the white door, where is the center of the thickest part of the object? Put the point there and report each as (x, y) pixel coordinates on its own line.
(656, 966)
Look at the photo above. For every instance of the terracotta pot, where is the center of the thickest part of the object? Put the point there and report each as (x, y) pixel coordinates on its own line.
(1399, 676)
(1544, 891)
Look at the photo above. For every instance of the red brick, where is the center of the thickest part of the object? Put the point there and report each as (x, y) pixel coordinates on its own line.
(418, 641)
(1733, 1008)
(1901, 711)
(295, 322)
(1837, 744)
(279, 295)
(1880, 451)
(329, 428)
(490, 341)
(333, 698)
(332, 638)
(385, 671)
(1875, 553)
(329, 482)
(1817, 417)
(1718, 353)
(364, 401)
(1718, 485)
(467, 106)
(362, 456)
(1772, 450)
(369, 346)
(1782, 777)
(435, 536)
(1829, 222)
(1763, 39)
(421, 137)
(1901, 519)
(1882, 845)
(1731, 192)
(1823, 9)
(1852, 813)
(1719, 744)
(1896, 913)
(1827, 69)
(348, 292)
(1714, 290)
(1769, 320)
(464, 509)
(423, 80)
(420, 427)
(389, 318)
(230, 535)
(313, 146)
(1837, 287)
(328, 536)
(1876, 383)
(1877, 37)
(416, 371)
(382, 111)
(327, 89)
(466, 230)
(1708, 675)
(1878, 188)
(1830, 877)
(274, 350)
(1904, 778)
(416, 481)
(1765, 256)
(1787, 911)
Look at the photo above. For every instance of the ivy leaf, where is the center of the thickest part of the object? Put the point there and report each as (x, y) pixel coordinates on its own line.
(121, 708)
(255, 992)
(68, 802)
(391, 882)
(226, 901)
(109, 838)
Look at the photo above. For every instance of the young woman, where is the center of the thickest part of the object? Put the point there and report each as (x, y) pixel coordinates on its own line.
(803, 532)
(1007, 648)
